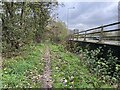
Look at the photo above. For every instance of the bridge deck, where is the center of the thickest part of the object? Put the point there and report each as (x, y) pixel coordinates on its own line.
(117, 43)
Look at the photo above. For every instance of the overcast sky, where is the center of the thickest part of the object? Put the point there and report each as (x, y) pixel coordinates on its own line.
(88, 14)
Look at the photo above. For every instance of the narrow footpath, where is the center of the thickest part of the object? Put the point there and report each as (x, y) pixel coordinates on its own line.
(46, 77)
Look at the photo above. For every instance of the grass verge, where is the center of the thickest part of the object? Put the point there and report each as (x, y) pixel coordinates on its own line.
(68, 71)
(24, 71)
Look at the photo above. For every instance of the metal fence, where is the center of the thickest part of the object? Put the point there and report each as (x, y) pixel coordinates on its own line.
(109, 33)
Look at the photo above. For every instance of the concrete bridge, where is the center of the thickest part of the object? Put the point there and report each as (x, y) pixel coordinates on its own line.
(105, 36)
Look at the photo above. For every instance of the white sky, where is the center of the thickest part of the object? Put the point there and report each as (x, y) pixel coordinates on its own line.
(88, 14)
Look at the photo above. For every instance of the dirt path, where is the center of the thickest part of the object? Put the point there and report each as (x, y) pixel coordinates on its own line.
(46, 77)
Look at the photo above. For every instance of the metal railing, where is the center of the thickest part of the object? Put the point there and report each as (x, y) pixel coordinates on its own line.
(99, 34)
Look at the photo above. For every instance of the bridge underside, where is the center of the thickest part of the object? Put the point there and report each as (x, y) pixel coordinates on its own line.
(107, 42)
(105, 47)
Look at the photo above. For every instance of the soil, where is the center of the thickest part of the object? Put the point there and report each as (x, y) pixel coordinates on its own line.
(46, 77)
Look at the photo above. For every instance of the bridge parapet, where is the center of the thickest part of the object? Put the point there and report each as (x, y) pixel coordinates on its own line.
(99, 34)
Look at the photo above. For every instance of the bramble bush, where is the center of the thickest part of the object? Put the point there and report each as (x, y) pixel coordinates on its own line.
(104, 65)
(106, 68)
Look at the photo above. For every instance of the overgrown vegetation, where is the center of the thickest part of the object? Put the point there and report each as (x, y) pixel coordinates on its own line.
(24, 26)
(24, 23)
(56, 32)
(105, 67)
(68, 71)
(24, 71)
(27, 24)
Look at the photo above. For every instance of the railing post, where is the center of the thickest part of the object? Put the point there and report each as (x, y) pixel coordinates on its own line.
(101, 35)
(85, 36)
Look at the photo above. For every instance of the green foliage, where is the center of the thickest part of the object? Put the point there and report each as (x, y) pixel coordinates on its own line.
(69, 72)
(24, 23)
(107, 69)
(56, 32)
(24, 71)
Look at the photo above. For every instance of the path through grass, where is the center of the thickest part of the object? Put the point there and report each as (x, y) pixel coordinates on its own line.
(46, 77)
(67, 71)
